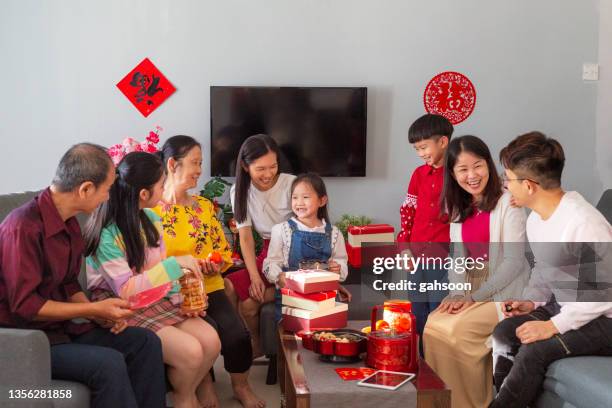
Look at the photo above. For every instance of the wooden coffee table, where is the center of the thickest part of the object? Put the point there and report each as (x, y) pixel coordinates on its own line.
(431, 390)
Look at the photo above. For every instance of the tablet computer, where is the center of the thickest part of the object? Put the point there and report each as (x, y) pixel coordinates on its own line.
(387, 380)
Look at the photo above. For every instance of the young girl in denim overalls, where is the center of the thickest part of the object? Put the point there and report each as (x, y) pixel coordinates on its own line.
(307, 236)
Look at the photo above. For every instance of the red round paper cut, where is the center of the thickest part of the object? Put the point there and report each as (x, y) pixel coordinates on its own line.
(451, 95)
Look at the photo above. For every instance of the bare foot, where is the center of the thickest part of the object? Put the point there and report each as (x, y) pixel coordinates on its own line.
(247, 398)
(207, 397)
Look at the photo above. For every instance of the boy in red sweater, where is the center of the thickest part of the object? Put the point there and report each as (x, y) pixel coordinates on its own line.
(421, 220)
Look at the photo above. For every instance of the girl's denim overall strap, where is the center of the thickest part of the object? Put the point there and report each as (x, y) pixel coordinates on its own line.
(307, 245)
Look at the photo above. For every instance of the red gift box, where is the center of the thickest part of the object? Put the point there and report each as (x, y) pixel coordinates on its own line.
(312, 281)
(382, 233)
(312, 301)
(295, 319)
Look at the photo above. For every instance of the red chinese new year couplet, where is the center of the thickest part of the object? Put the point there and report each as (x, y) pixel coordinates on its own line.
(451, 95)
(146, 87)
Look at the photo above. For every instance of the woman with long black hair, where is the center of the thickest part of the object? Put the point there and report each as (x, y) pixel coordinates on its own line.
(126, 255)
(488, 229)
(261, 198)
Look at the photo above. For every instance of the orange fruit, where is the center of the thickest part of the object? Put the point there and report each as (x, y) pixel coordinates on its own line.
(216, 257)
(402, 324)
(381, 325)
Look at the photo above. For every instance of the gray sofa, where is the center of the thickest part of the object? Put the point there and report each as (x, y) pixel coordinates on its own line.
(25, 361)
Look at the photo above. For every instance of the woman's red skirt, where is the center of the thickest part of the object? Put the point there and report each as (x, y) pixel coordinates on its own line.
(241, 279)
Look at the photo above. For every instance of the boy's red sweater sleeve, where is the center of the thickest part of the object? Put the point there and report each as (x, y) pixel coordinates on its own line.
(408, 209)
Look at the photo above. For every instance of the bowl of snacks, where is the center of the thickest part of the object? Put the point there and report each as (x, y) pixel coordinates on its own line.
(340, 345)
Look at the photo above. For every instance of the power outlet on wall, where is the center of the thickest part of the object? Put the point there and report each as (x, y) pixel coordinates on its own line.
(590, 71)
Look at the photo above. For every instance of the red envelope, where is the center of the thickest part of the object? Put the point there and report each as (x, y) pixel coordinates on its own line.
(146, 87)
(147, 297)
(354, 373)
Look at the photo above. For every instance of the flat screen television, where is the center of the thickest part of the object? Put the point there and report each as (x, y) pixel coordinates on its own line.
(320, 130)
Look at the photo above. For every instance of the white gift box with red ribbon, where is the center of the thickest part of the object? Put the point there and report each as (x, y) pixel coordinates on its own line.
(295, 319)
(307, 281)
(373, 233)
(313, 301)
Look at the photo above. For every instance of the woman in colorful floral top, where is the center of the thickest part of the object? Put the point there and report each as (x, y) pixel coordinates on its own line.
(191, 228)
(126, 256)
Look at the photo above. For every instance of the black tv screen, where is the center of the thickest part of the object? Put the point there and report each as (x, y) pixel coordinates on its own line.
(320, 130)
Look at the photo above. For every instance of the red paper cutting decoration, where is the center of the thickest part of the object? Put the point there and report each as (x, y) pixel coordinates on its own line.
(146, 87)
(451, 95)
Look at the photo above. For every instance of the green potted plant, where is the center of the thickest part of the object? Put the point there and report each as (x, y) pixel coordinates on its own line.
(346, 220)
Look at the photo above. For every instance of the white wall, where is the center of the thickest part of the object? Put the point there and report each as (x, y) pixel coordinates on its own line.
(60, 61)
(604, 95)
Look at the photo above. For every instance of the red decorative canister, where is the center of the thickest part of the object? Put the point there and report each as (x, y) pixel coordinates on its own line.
(392, 350)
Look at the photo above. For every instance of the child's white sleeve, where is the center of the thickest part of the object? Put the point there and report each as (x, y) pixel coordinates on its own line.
(273, 264)
(339, 254)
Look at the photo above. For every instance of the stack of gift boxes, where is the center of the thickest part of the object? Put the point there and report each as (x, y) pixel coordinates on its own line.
(309, 301)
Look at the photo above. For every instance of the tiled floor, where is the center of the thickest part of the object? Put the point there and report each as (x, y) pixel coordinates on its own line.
(270, 393)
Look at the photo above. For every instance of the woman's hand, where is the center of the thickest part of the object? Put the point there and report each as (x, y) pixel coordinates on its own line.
(201, 313)
(194, 314)
(333, 266)
(448, 304)
(257, 288)
(209, 268)
(189, 262)
(461, 304)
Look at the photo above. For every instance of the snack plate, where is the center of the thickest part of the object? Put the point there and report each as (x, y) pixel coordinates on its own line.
(335, 351)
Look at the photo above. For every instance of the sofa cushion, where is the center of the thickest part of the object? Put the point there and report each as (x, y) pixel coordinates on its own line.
(581, 381)
(549, 399)
(8, 202)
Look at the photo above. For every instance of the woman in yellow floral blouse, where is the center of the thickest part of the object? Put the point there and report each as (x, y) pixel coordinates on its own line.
(191, 228)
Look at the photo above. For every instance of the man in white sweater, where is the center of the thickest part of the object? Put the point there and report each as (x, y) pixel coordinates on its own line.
(570, 239)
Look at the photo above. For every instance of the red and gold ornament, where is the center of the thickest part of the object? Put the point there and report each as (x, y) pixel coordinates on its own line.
(450, 94)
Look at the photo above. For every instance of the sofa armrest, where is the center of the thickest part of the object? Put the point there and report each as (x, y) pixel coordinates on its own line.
(25, 358)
